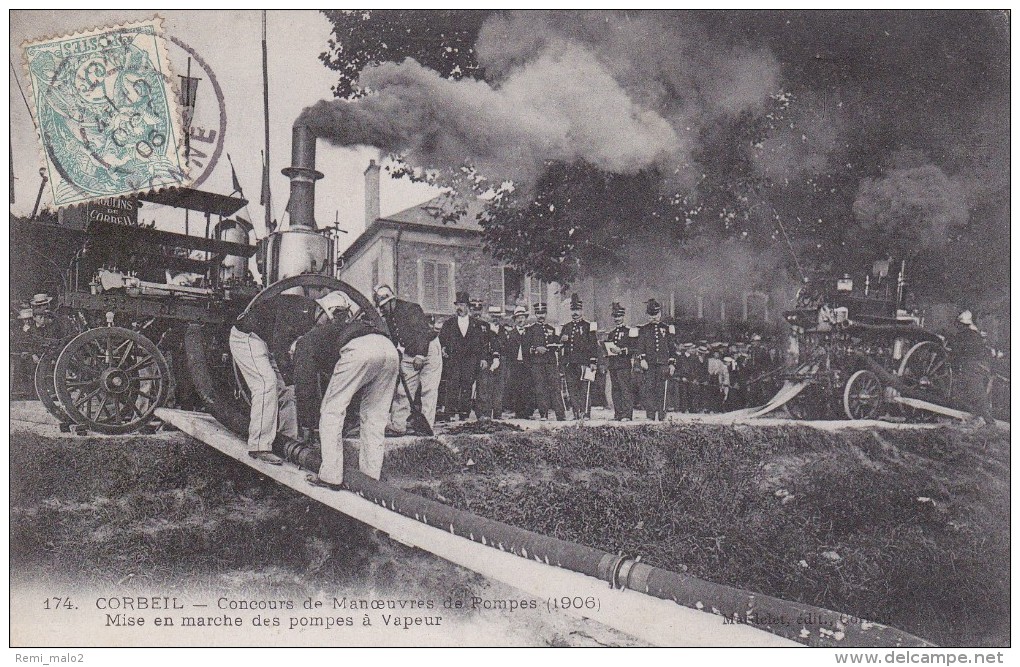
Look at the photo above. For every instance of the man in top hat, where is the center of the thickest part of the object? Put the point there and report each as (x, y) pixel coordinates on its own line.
(463, 341)
(260, 341)
(618, 346)
(543, 345)
(971, 363)
(361, 361)
(515, 356)
(421, 359)
(656, 360)
(490, 375)
(580, 356)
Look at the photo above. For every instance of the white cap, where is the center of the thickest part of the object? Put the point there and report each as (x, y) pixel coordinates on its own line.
(335, 300)
(383, 294)
(966, 317)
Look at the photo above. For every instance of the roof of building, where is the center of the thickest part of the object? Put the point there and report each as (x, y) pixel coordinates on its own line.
(427, 216)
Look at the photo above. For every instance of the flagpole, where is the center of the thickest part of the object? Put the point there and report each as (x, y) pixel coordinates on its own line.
(265, 103)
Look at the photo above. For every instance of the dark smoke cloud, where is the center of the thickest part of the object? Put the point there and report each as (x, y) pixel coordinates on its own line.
(910, 209)
(623, 95)
(839, 100)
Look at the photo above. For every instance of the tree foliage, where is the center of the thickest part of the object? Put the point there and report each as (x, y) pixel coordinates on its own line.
(806, 177)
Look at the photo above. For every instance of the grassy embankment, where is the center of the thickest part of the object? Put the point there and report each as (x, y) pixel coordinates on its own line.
(907, 527)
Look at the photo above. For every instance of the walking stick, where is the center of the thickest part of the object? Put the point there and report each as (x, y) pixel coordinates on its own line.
(587, 400)
(665, 393)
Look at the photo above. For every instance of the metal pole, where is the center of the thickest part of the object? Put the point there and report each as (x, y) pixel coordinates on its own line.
(38, 199)
(265, 104)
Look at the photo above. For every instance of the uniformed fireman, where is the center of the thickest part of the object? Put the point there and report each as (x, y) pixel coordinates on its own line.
(260, 341)
(543, 347)
(490, 377)
(656, 360)
(971, 364)
(514, 356)
(361, 361)
(580, 358)
(421, 361)
(619, 363)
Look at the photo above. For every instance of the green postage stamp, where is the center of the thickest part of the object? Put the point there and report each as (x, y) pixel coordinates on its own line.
(106, 113)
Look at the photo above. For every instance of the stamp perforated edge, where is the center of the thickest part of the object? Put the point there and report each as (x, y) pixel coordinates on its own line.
(176, 113)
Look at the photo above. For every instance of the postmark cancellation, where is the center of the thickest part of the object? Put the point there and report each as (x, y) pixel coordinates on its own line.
(106, 114)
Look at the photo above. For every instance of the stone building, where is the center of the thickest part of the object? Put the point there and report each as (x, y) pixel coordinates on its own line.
(427, 260)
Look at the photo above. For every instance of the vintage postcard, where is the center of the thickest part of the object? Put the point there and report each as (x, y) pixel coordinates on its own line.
(510, 329)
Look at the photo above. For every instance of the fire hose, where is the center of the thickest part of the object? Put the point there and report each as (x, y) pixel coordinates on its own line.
(617, 570)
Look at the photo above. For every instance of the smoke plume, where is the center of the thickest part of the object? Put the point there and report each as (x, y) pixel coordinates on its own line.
(623, 96)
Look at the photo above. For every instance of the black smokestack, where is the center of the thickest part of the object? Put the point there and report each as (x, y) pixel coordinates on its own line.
(302, 175)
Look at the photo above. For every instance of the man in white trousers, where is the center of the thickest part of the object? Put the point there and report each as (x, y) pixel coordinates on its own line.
(259, 342)
(422, 361)
(363, 360)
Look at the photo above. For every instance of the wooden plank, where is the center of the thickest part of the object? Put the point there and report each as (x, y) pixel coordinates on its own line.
(650, 619)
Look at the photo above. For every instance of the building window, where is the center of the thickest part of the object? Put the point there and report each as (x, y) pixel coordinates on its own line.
(538, 292)
(435, 285)
(513, 287)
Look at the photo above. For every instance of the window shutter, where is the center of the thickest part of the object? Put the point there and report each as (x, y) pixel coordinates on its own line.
(444, 287)
(496, 286)
(429, 300)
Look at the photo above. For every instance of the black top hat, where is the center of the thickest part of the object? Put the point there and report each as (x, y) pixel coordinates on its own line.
(575, 302)
(462, 297)
(653, 308)
(618, 309)
(541, 308)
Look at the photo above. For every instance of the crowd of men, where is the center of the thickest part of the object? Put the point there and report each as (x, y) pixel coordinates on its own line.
(310, 362)
(535, 370)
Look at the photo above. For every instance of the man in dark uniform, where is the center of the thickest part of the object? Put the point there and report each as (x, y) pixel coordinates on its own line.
(260, 342)
(580, 356)
(463, 340)
(543, 345)
(490, 376)
(618, 362)
(971, 363)
(656, 360)
(421, 361)
(515, 356)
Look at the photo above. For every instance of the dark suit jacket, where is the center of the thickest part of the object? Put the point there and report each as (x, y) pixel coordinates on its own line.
(514, 342)
(470, 348)
(541, 335)
(409, 328)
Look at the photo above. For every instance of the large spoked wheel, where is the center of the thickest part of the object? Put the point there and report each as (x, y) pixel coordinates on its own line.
(926, 368)
(863, 396)
(44, 387)
(111, 380)
(925, 373)
(313, 286)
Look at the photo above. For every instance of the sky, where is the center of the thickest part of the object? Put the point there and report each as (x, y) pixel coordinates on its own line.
(230, 43)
